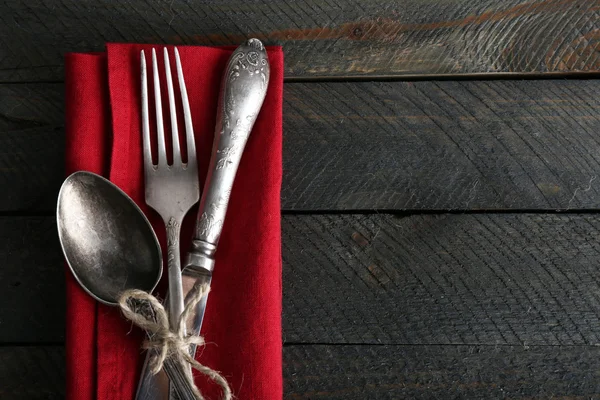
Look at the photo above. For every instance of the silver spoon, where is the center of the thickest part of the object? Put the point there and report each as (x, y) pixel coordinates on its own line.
(110, 247)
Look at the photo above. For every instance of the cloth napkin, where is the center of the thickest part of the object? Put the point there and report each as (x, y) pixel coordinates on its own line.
(242, 325)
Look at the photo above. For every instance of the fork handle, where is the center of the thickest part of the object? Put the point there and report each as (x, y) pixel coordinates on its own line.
(175, 301)
(243, 91)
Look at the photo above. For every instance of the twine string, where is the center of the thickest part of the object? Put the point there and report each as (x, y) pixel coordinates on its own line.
(167, 342)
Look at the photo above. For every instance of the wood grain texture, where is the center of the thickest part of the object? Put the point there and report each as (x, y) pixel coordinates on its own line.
(31, 146)
(31, 168)
(505, 279)
(467, 145)
(32, 373)
(373, 372)
(321, 38)
(449, 145)
(25, 106)
(32, 277)
(493, 279)
(441, 372)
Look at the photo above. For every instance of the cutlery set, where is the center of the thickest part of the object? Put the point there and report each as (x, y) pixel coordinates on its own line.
(98, 242)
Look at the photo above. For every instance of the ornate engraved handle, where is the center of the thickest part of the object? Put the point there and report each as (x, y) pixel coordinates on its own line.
(243, 91)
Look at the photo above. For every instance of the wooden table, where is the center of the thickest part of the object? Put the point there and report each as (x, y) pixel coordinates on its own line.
(441, 160)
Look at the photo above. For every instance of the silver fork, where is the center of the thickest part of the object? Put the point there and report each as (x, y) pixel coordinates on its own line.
(171, 190)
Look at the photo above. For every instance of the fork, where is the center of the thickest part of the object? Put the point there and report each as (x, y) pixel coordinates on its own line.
(171, 190)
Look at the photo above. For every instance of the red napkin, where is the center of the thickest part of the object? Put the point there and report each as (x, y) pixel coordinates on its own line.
(242, 326)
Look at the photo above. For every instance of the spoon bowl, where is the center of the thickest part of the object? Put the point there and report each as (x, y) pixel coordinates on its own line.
(107, 241)
(111, 247)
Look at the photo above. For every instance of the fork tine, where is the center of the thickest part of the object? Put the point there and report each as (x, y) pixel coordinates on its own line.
(173, 112)
(187, 116)
(145, 117)
(162, 151)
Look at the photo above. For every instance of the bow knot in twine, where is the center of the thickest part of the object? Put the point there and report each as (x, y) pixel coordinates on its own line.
(145, 311)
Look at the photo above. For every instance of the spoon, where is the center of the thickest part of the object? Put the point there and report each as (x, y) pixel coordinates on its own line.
(110, 247)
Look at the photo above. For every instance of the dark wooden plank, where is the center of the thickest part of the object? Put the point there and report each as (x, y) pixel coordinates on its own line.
(518, 279)
(31, 281)
(32, 373)
(373, 372)
(441, 145)
(321, 38)
(450, 145)
(441, 372)
(31, 146)
(493, 279)
(25, 106)
(31, 168)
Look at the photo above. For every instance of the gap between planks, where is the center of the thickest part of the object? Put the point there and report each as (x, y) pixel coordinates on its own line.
(490, 76)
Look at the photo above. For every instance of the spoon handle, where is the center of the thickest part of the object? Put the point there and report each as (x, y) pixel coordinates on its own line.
(243, 91)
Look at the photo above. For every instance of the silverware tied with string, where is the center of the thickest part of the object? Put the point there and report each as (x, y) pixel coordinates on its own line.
(243, 90)
(171, 190)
